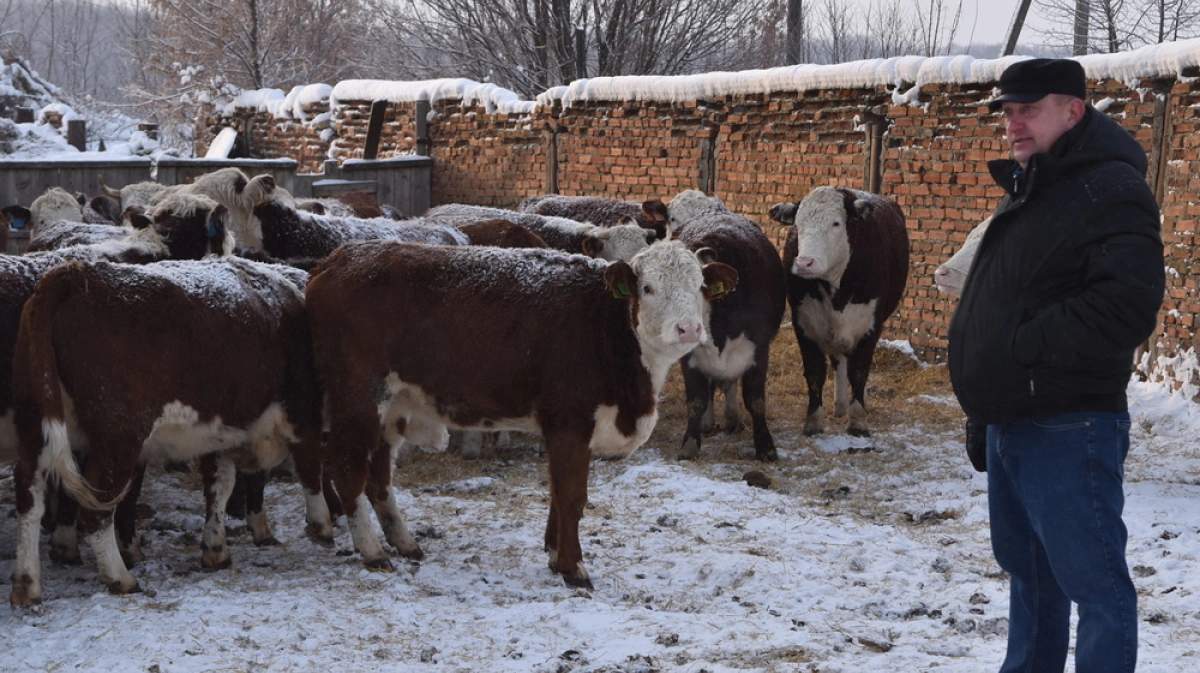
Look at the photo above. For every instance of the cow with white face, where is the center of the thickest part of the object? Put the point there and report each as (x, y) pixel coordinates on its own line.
(581, 351)
(951, 276)
(847, 263)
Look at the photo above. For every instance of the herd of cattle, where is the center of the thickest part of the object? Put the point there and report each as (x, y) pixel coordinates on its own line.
(227, 321)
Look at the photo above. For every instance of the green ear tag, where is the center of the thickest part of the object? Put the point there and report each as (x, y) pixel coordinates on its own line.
(716, 290)
(622, 290)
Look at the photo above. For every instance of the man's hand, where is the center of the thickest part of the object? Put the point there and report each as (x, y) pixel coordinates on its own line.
(977, 445)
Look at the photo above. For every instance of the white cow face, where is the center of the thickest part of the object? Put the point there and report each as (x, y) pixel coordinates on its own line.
(951, 276)
(690, 205)
(671, 289)
(823, 242)
(54, 205)
(618, 243)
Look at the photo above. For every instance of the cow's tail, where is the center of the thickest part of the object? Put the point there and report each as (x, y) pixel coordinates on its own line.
(115, 193)
(45, 387)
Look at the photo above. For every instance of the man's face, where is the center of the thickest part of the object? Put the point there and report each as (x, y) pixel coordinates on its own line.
(1034, 127)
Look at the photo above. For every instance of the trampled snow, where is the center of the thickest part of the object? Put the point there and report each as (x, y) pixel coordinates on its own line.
(853, 561)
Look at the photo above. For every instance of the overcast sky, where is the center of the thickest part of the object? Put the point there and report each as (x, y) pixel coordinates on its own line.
(990, 19)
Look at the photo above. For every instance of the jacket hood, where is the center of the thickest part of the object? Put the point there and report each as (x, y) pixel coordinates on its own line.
(1095, 139)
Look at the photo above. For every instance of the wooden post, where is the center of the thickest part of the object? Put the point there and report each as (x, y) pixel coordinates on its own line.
(424, 142)
(77, 134)
(551, 135)
(876, 126)
(580, 53)
(24, 115)
(707, 181)
(375, 129)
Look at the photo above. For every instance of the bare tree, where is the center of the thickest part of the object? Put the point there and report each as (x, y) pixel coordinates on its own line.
(937, 26)
(1109, 26)
(529, 45)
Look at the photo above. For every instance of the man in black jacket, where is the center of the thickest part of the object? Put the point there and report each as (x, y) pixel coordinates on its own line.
(1066, 284)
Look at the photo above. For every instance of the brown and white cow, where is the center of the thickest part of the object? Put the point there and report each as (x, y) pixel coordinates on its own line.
(620, 241)
(599, 210)
(234, 385)
(951, 276)
(582, 349)
(741, 326)
(847, 263)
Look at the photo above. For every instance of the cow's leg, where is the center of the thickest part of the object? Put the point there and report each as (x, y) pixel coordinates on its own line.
(859, 370)
(391, 519)
(31, 505)
(698, 391)
(255, 485)
(125, 518)
(320, 499)
(64, 541)
(219, 474)
(733, 413)
(568, 457)
(841, 388)
(353, 437)
(472, 444)
(815, 372)
(109, 478)
(754, 394)
(708, 420)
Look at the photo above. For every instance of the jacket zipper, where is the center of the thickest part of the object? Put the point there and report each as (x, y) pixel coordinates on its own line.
(1032, 387)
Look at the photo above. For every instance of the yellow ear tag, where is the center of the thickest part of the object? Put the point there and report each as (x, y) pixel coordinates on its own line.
(716, 290)
(622, 290)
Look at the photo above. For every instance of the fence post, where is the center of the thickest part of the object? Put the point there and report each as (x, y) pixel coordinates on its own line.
(424, 142)
(77, 134)
(551, 135)
(24, 115)
(876, 125)
(375, 129)
(707, 182)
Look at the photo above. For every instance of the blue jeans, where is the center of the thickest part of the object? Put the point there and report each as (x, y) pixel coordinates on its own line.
(1055, 498)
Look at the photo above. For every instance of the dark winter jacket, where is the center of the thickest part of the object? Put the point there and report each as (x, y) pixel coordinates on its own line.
(1066, 284)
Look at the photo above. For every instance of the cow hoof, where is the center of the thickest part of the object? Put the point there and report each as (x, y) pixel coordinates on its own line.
(690, 449)
(414, 554)
(770, 455)
(23, 593)
(119, 588)
(216, 559)
(63, 555)
(812, 432)
(734, 425)
(858, 432)
(319, 534)
(380, 564)
(269, 541)
(581, 582)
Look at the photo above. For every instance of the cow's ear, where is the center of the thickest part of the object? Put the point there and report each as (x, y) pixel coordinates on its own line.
(217, 220)
(719, 280)
(656, 210)
(137, 217)
(706, 255)
(592, 245)
(784, 212)
(621, 279)
(861, 209)
(18, 216)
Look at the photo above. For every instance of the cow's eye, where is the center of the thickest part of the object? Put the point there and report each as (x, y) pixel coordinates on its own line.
(836, 223)
(646, 289)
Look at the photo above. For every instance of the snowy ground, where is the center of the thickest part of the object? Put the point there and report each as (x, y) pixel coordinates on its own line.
(853, 560)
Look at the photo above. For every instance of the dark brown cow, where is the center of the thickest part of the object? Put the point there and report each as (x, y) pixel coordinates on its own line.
(237, 388)
(290, 233)
(741, 326)
(409, 339)
(501, 234)
(599, 210)
(847, 263)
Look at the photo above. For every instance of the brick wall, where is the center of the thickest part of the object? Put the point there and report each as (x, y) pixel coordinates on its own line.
(754, 150)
